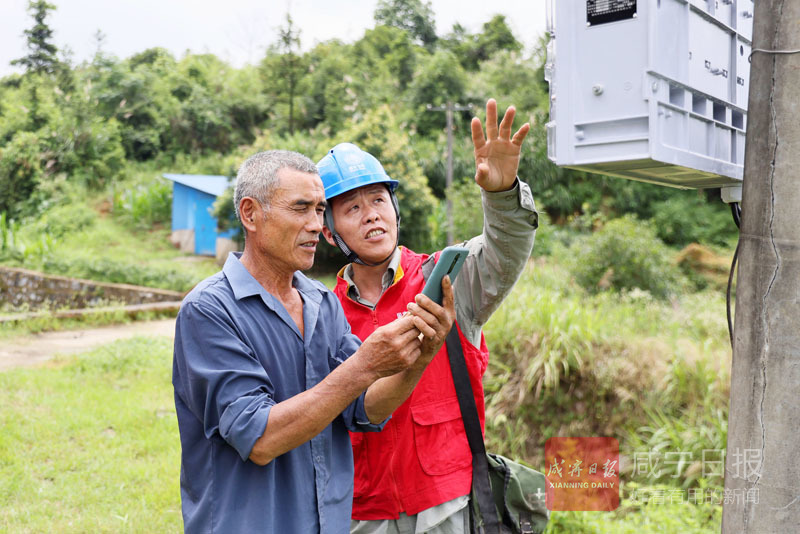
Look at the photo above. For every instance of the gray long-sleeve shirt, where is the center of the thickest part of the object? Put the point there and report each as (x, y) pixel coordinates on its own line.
(495, 261)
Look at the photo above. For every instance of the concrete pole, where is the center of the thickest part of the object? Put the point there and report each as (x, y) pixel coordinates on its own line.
(762, 468)
(448, 177)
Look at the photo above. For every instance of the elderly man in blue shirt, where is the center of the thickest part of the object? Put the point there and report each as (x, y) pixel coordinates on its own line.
(268, 378)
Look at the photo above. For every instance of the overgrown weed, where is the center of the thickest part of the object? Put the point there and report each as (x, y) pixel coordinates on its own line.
(653, 373)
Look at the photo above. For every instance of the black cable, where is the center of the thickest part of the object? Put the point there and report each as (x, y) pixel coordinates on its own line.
(736, 210)
(728, 297)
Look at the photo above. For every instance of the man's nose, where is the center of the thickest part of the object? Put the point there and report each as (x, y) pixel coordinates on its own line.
(371, 215)
(315, 223)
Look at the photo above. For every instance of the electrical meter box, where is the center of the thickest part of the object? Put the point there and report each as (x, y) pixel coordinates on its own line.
(650, 90)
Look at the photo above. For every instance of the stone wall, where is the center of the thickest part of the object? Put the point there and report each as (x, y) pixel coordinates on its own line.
(183, 240)
(224, 247)
(23, 289)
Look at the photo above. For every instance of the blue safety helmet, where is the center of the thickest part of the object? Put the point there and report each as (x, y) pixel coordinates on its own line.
(344, 168)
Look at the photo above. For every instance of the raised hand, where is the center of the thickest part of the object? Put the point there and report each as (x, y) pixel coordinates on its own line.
(497, 154)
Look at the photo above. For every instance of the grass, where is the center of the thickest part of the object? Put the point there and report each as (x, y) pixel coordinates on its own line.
(652, 373)
(83, 239)
(47, 322)
(666, 511)
(110, 251)
(90, 444)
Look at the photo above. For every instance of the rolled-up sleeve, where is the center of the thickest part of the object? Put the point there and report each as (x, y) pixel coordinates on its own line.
(219, 378)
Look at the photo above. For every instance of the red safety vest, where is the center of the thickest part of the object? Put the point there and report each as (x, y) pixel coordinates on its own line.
(421, 458)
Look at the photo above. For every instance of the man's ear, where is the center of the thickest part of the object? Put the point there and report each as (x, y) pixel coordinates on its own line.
(248, 211)
(328, 236)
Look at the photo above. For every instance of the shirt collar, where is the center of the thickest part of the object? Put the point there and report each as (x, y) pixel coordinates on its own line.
(244, 284)
(389, 277)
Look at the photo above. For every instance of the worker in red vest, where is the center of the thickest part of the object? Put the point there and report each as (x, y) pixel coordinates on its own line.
(415, 476)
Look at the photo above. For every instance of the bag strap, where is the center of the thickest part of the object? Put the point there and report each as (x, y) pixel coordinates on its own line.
(469, 415)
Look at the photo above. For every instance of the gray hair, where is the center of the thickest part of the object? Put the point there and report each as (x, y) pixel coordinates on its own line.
(258, 175)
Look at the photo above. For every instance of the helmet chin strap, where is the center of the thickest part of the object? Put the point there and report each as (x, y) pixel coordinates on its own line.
(353, 257)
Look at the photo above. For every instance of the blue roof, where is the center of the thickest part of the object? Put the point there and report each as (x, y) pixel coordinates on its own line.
(213, 185)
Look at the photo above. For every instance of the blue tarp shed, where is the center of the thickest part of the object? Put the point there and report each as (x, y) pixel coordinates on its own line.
(192, 198)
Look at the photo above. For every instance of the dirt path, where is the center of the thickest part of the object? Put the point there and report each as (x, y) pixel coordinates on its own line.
(35, 349)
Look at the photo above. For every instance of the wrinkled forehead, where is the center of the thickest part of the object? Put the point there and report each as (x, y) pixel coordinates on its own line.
(293, 183)
(289, 178)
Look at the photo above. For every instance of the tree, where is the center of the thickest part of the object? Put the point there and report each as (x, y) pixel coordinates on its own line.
(472, 49)
(496, 36)
(20, 173)
(284, 71)
(440, 79)
(414, 16)
(386, 51)
(289, 45)
(463, 45)
(330, 98)
(41, 59)
(138, 94)
(42, 53)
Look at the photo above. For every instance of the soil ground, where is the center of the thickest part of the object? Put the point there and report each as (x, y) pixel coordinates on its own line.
(35, 349)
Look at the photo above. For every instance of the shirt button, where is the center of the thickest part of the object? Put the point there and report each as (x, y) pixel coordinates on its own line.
(318, 458)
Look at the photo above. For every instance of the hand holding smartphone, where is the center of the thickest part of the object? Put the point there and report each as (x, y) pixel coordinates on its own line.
(450, 261)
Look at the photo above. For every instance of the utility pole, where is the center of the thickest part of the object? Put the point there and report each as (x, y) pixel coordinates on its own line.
(449, 108)
(762, 471)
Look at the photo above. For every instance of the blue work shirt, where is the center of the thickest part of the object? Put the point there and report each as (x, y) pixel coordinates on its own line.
(237, 353)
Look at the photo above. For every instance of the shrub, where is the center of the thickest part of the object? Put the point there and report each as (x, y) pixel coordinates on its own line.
(552, 239)
(689, 218)
(144, 203)
(65, 219)
(88, 149)
(225, 214)
(625, 254)
(20, 172)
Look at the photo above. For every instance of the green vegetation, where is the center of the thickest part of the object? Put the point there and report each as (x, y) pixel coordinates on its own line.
(91, 444)
(610, 332)
(625, 254)
(656, 509)
(93, 124)
(47, 321)
(652, 373)
(564, 362)
(110, 236)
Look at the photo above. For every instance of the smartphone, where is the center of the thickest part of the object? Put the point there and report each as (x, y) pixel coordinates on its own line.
(450, 261)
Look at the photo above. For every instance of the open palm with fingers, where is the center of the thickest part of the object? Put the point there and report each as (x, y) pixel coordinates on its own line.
(497, 153)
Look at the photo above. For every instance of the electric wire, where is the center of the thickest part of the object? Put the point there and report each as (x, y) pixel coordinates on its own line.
(774, 51)
(736, 210)
(765, 51)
